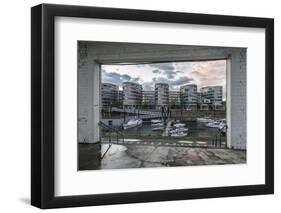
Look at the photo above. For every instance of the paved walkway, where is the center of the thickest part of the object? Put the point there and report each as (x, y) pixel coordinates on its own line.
(144, 156)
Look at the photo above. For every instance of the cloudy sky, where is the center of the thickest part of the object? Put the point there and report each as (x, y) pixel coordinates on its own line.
(176, 74)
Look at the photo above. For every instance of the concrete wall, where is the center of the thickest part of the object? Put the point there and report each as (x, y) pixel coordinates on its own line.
(91, 54)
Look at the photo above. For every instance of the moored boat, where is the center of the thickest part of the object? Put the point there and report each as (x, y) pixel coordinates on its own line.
(217, 124)
(178, 125)
(222, 127)
(132, 123)
(204, 120)
(157, 124)
(179, 134)
(159, 128)
(153, 121)
(182, 129)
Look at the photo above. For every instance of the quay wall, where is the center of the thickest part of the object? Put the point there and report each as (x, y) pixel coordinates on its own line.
(193, 114)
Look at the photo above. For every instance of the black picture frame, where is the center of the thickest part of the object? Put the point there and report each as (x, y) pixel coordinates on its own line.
(43, 102)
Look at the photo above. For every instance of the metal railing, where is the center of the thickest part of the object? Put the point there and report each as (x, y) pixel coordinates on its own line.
(111, 130)
(217, 140)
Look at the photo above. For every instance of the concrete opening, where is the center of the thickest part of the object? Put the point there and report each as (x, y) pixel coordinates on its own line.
(93, 55)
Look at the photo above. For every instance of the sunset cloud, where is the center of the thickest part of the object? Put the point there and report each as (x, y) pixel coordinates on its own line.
(176, 74)
(209, 73)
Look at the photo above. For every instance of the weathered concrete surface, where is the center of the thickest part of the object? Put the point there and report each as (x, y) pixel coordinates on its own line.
(117, 157)
(141, 156)
(178, 156)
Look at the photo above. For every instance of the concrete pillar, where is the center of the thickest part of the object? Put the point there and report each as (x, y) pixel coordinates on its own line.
(228, 102)
(238, 97)
(96, 110)
(88, 96)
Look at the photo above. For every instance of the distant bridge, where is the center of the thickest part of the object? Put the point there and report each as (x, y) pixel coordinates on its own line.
(142, 113)
(184, 115)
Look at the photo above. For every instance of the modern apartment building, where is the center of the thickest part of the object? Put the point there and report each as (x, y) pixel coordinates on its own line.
(148, 99)
(109, 94)
(214, 96)
(203, 103)
(120, 98)
(161, 94)
(174, 99)
(132, 94)
(189, 96)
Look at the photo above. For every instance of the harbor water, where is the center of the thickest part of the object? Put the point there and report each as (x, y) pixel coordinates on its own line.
(196, 131)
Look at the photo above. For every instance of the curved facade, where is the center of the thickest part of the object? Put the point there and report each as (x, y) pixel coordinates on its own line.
(132, 94)
(214, 96)
(174, 98)
(109, 94)
(189, 96)
(161, 94)
(148, 98)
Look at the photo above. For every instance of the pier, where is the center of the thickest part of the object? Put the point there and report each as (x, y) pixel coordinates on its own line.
(167, 128)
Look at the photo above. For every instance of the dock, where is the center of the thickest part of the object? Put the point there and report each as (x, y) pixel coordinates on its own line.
(167, 128)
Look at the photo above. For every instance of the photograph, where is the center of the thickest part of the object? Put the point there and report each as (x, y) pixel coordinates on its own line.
(141, 105)
(155, 105)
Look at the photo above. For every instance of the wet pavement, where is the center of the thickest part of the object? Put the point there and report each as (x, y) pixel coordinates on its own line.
(145, 156)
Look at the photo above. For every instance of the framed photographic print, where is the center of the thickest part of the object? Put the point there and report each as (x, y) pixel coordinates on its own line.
(139, 106)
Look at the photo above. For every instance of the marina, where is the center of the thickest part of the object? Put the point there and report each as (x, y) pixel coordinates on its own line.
(178, 111)
(170, 130)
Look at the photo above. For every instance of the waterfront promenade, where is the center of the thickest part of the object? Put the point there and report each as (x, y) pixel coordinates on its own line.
(146, 156)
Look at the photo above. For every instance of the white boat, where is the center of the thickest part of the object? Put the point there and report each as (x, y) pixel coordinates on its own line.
(172, 131)
(159, 128)
(204, 120)
(213, 124)
(155, 121)
(179, 130)
(132, 123)
(177, 125)
(157, 124)
(217, 124)
(182, 129)
(222, 127)
(179, 134)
